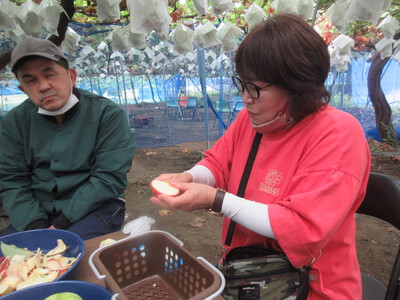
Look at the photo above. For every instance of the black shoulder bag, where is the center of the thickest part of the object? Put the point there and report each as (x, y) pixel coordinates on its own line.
(254, 273)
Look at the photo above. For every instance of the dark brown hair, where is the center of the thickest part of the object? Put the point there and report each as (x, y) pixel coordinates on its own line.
(287, 52)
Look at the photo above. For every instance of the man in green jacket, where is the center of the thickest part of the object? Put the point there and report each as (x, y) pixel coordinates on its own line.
(64, 152)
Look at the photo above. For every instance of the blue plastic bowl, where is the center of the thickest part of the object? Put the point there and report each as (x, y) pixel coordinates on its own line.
(88, 291)
(46, 239)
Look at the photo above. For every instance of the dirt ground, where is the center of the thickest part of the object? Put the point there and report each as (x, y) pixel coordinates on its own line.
(200, 231)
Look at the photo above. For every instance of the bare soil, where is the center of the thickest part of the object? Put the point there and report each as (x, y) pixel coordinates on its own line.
(377, 242)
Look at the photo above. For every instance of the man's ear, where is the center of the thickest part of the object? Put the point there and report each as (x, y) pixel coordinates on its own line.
(73, 75)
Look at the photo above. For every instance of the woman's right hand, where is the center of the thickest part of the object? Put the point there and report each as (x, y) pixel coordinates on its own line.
(175, 177)
(192, 196)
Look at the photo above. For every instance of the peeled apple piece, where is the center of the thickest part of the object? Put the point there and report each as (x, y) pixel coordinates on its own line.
(163, 187)
(64, 296)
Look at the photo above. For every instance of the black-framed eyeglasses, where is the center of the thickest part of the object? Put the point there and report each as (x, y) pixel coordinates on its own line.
(252, 89)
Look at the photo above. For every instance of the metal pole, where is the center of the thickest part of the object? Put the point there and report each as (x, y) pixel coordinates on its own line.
(342, 92)
(221, 95)
(142, 91)
(2, 103)
(165, 103)
(202, 76)
(123, 84)
(116, 79)
(98, 84)
(91, 83)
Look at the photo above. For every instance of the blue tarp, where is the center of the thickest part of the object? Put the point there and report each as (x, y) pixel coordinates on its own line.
(390, 81)
(5, 91)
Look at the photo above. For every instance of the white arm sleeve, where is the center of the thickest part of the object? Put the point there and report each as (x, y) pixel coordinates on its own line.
(202, 174)
(250, 214)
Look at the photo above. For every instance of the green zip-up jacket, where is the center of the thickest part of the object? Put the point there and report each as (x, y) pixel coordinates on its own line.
(65, 170)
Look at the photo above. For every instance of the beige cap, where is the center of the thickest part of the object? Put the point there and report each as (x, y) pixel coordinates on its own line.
(35, 47)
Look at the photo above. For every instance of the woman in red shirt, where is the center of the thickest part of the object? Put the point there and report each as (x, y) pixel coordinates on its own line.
(311, 169)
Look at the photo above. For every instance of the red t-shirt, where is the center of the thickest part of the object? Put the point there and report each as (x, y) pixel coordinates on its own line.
(313, 177)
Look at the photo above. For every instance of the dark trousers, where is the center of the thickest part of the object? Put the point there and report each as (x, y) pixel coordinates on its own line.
(108, 218)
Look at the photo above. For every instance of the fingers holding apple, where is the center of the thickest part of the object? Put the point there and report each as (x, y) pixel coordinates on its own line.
(160, 187)
(191, 196)
(166, 194)
(175, 177)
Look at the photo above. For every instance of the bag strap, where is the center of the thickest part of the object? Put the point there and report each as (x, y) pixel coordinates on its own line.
(243, 182)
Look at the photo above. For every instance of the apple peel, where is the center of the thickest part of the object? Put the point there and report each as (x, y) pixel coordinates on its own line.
(23, 270)
(5, 289)
(163, 187)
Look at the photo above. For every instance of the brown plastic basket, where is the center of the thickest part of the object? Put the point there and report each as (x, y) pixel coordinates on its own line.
(154, 265)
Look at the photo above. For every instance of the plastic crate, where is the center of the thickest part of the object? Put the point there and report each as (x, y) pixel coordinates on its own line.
(154, 265)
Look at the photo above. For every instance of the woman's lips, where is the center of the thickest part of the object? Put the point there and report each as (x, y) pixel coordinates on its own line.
(251, 114)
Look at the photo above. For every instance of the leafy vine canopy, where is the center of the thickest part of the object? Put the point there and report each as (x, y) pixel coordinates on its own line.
(160, 29)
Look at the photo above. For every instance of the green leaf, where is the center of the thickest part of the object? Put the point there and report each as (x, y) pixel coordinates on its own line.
(11, 250)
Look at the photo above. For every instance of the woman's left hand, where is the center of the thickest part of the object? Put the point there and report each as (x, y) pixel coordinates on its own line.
(192, 196)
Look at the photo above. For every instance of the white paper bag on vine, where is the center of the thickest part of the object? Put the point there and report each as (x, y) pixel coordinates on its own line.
(344, 44)
(340, 52)
(15, 34)
(221, 60)
(302, 8)
(285, 6)
(201, 6)
(50, 11)
(389, 25)
(228, 34)
(305, 9)
(221, 6)
(108, 10)
(206, 35)
(158, 62)
(366, 10)
(336, 15)
(385, 47)
(87, 51)
(182, 37)
(135, 55)
(70, 42)
(149, 15)
(7, 14)
(102, 47)
(133, 40)
(29, 19)
(396, 52)
(254, 16)
(118, 56)
(339, 62)
(137, 40)
(119, 39)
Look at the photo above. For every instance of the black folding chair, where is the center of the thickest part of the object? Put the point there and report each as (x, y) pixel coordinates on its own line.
(382, 201)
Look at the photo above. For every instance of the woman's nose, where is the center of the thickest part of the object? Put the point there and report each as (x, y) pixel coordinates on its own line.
(246, 98)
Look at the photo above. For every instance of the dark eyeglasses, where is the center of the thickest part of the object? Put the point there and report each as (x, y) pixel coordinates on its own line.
(252, 89)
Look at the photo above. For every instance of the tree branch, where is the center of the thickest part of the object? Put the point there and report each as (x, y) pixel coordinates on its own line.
(383, 111)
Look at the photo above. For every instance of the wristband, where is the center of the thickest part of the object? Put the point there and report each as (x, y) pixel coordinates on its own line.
(218, 200)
